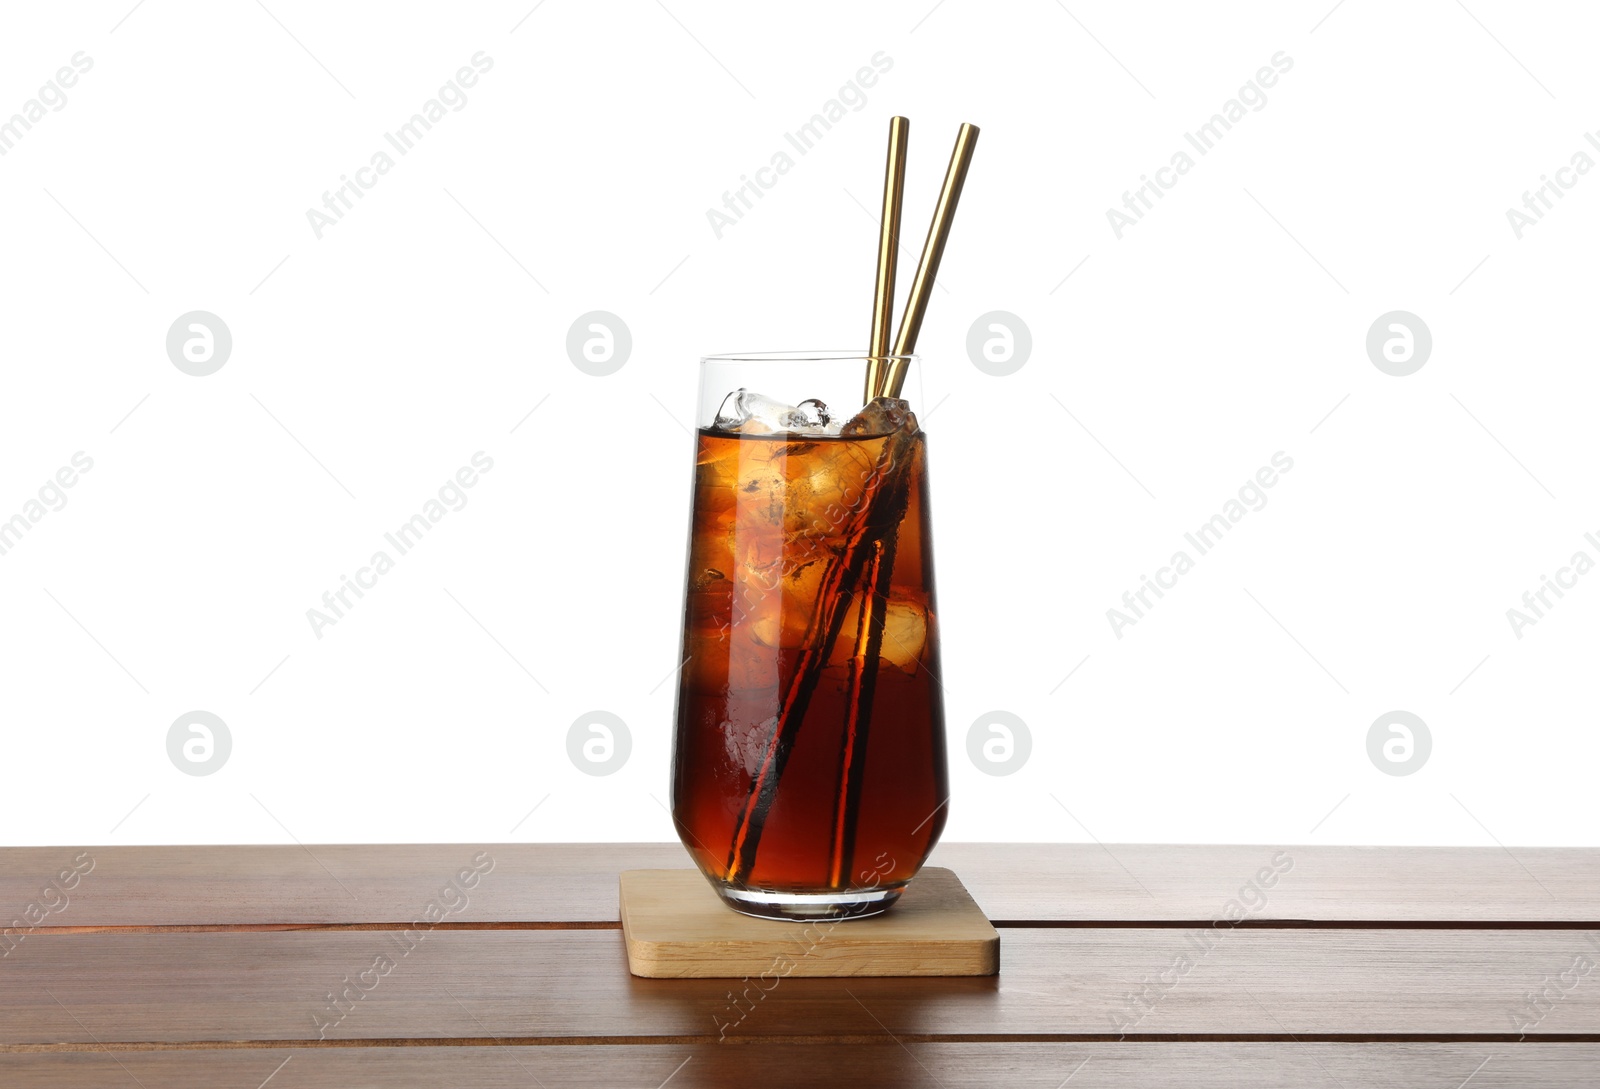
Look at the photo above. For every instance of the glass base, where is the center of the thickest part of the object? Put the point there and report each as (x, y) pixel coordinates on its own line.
(805, 907)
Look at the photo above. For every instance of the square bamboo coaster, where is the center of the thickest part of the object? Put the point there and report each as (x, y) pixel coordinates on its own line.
(676, 927)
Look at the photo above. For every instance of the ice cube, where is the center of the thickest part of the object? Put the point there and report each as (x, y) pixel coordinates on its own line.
(881, 416)
(905, 633)
(751, 413)
(905, 630)
(817, 414)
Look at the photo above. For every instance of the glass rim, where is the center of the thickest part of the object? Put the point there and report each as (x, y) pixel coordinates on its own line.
(815, 356)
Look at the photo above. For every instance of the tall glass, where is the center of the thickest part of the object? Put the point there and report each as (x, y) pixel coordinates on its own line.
(809, 775)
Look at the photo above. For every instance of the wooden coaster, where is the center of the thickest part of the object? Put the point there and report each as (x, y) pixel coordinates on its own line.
(677, 927)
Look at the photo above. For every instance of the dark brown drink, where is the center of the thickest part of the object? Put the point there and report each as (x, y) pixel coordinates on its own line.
(809, 769)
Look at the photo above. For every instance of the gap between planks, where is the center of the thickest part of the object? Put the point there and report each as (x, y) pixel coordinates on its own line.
(820, 1039)
(1011, 924)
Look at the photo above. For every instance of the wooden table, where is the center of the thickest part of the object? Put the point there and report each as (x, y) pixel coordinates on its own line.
(502, 965)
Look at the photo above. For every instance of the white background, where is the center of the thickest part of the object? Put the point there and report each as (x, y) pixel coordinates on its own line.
(370, 364)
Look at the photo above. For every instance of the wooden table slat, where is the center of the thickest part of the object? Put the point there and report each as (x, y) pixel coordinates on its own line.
(571, 985)
(563, 884)
(882, 1064)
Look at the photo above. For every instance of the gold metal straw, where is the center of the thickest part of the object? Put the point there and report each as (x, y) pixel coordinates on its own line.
(944, 214)
(894, 182)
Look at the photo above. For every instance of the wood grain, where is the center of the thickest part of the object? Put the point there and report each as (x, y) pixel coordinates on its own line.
(675, 927)
(574, 986)
(575, 884)
(881, 1063)
(1351, 967)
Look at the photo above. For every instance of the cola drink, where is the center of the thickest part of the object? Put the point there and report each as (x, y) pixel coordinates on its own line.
(809, 773)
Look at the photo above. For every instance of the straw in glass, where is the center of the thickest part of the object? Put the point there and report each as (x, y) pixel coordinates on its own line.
(894, 183)
(944, 215)
(873, 614)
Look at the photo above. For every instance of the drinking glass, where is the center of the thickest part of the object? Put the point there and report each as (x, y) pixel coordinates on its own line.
(809, 776)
